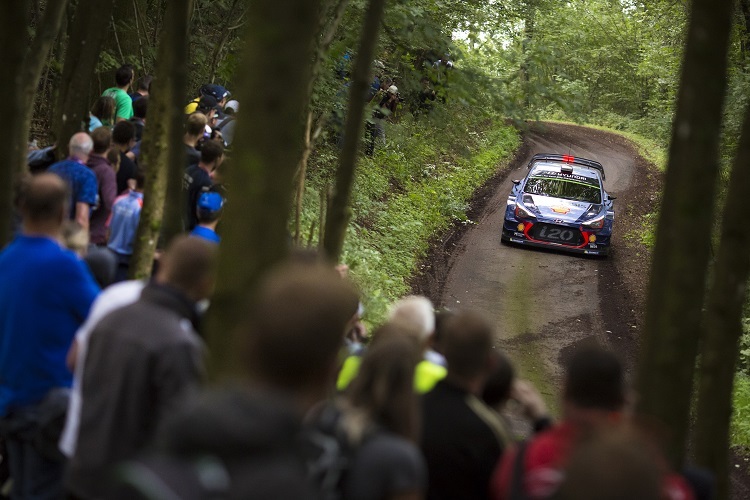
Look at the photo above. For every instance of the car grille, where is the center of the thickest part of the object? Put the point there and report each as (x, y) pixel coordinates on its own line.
(564, 235)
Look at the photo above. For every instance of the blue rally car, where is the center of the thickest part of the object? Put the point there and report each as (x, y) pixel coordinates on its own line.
(561, 204)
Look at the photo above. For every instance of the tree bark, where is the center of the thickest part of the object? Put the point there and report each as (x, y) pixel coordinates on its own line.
(340, 212)
(723, 321)
(163, 152)
(678, 270)
(87, 34)
(37, 55)
(279, 41)
(14, 41)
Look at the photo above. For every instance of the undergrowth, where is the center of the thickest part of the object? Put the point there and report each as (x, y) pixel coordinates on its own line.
(417, 183)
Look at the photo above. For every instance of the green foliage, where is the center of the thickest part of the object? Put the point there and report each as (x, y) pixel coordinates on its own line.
(740, 428)
(415, 186)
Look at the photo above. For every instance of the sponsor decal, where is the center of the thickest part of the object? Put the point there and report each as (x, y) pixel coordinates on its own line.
(561, 210)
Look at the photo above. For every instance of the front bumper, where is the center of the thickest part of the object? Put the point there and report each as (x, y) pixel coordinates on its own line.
(512, 233)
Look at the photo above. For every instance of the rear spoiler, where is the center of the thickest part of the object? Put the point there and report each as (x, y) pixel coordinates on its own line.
(568, 159)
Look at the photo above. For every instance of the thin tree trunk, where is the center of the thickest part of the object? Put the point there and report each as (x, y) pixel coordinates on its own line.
(280, 37)
(87, 33)
(37, 55)
(324, 44)
(301, 174)
(678, 270)
(724, 322)
(162, 148)
(339, 212)
(14, 43)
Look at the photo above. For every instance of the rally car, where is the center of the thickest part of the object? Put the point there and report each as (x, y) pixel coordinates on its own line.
(560, 204)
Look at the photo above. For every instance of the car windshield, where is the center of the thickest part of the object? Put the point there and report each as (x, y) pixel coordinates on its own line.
(563, 188)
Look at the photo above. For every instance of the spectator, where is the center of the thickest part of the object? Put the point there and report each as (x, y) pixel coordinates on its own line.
(45, 292)
(197, 178)
(593, 397)
(381, 419)
(143, 88)
(228, 124)
(194, 128)
(462, 438)
(106, 181)
(216, 92)
(102, 113)
(81, 180)
(209, 210)
(208, 106)
(113, 297)
(416, 313)
(141, 360)
(123, 226)
(140, 107)
(375, 126)
(123, 137)
(123, 103)
(293, 332)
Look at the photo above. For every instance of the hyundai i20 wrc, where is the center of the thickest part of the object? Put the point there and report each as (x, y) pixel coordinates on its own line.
(561, 204)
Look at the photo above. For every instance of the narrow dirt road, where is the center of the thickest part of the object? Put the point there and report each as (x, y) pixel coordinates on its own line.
(541, 302)
(544, 303)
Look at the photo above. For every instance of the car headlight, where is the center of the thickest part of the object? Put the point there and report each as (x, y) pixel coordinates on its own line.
(522, 213)
(597, 223)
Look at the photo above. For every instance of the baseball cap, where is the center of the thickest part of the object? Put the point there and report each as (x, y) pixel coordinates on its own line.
(210, 201)
(207, 103)
(216, 91)
(393, 89)
(233, 104)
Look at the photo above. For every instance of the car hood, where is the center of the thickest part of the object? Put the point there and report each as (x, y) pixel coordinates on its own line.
(559, 208)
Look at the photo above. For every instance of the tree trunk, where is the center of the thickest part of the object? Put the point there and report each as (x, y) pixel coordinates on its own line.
(723, 321)
(163, 151)
(87, 33)
(14, 41)
(272, 79)
(46, 32)
(678, 271)
(340, 212)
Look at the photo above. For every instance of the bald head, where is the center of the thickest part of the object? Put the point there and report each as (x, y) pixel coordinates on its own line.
(80, 146)
(43, 201)
(189, 265)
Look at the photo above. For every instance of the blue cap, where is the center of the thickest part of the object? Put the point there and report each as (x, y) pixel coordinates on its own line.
(212, 202)
(216, 91)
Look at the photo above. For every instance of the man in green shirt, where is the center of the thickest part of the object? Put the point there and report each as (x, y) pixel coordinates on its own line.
(123, 103)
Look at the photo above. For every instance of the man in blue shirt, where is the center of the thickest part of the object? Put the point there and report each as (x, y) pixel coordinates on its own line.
(123, 226)
(45, 295)
(80, 178)
(210, 207)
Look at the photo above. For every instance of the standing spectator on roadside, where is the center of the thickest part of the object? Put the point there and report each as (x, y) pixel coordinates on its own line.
(123, 137)
(142, 88)
(194, 129)
(593, 400)
(228, 124)
(123, 226)
(197, 178)
(380, 419)
(140, 107)
(416, 313)
(123, 103)
(141, 360)
(293, 330)
(81, 180)
(45, 294)
(209, 210)
(462, 438)
(107, 183)
(102, 113)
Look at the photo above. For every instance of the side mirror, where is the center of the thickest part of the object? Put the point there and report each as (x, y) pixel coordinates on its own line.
(516, 182)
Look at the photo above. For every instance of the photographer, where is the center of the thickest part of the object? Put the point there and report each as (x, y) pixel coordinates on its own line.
(376, 124)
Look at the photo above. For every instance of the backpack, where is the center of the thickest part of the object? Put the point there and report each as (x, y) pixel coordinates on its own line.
(330, 453)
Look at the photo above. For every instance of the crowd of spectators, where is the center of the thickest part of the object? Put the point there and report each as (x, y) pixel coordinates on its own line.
(102, 380)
